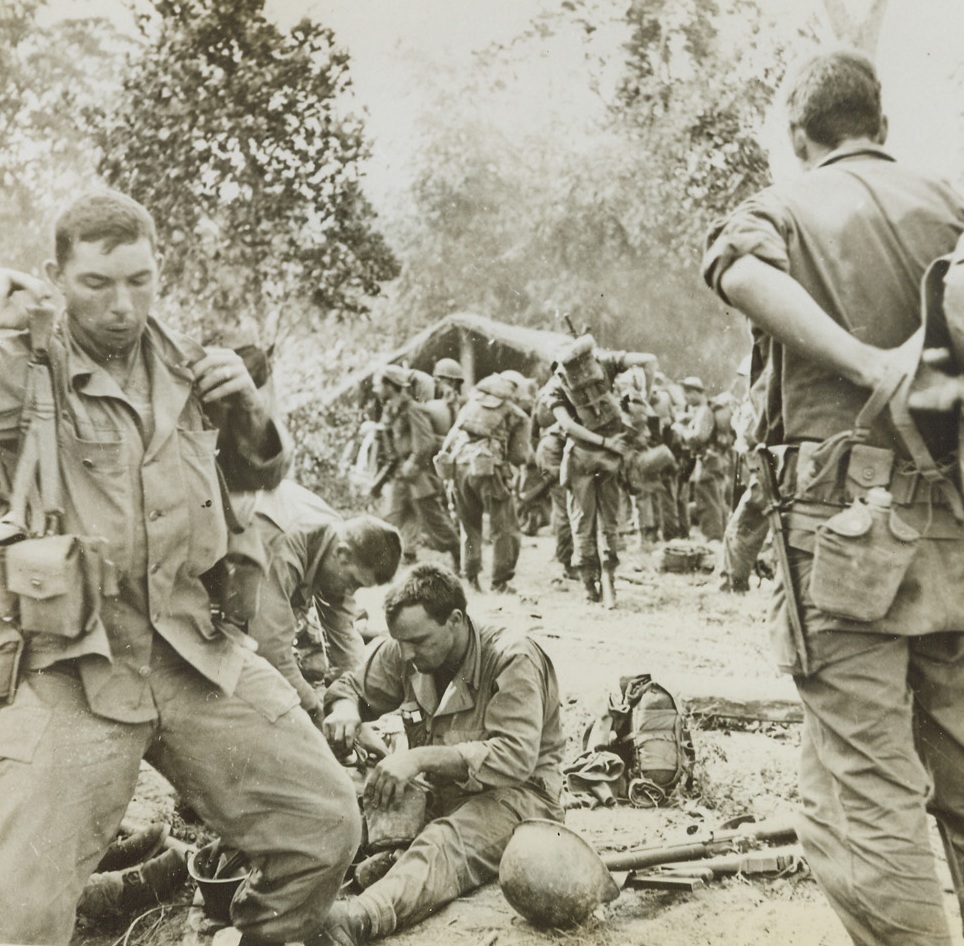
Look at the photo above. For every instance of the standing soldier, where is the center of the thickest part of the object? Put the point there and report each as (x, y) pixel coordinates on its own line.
(550, 446)
(828, 265)
(583, 404)
(490, 436)
(416, 494)
(698, 433)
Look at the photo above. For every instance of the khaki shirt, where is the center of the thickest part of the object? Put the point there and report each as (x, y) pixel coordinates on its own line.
(296, 527)
(157, 503)
(501, 710)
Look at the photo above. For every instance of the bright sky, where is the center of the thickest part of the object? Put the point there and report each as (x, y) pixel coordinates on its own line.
(920, 47)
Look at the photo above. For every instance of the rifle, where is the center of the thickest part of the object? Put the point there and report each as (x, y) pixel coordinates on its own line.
(774, 512)
(746, 837)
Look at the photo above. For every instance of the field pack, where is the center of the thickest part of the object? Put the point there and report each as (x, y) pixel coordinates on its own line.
(645, 727)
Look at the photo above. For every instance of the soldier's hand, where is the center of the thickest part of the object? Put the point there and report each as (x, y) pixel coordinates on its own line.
(388, 779)
(370, 741)
(18, 292)
(220, 374)
(617, 444)
(341, 726)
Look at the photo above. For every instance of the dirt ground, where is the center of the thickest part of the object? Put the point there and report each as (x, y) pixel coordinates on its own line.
(700, 642)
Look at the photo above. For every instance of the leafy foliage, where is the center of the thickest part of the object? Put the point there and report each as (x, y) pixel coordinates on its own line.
(598, 212)
(236, 136)
(50, 75)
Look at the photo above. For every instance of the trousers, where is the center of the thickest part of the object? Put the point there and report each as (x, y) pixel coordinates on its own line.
(416, 515)
(455, 853)
(883, 743)
(475, 495)
(594, 511)
(252, 765)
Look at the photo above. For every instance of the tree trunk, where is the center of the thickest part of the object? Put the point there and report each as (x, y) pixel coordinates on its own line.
(864, 33)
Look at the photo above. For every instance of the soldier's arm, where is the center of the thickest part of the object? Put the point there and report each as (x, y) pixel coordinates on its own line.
(776, 303)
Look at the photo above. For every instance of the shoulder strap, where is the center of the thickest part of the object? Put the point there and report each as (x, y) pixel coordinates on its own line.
(37, 476)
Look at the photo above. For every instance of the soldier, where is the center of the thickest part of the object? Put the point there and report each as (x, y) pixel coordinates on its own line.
(490, 436)
(316, 558)
(583, 404)
(828, 265)
(698, 432)
(481, 712)
(549, 449)
(416, 494)
(449, 381)
(146, 672)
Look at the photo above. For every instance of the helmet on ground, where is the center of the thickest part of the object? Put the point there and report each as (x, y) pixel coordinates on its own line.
(448, 369)
(552, 876)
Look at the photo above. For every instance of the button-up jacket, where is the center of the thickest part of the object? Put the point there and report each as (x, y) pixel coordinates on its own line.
(158, 505)
(501, 710)
(297, 529)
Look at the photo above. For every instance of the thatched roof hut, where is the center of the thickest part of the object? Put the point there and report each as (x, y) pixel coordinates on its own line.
(482, 345)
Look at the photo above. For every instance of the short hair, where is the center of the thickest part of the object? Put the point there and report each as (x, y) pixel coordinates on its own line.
(434, 587)
(374, 544)
(834, 96)
(106, 215)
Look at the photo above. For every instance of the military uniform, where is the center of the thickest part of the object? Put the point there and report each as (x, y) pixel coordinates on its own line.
(416, 493)
(296, 527)
(154, 678)
(502, 712)
(883, 737)
(490, 436)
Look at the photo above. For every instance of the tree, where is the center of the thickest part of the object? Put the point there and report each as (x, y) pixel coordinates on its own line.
(860, 32)
(238, 138)
(598, 213)
(50, 75)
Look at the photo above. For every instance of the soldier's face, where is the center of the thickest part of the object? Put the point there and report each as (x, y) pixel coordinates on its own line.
(108, 293)
(425, 642)
(341, 574)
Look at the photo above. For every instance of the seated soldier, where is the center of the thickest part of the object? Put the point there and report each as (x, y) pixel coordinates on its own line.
(316, 557)
(481, 712)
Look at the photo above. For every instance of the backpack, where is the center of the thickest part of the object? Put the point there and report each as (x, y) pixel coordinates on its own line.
(588, 387)
(645, 726)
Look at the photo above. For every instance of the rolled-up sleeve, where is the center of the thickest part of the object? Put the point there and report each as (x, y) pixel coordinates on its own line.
(753, 229)
(513, 719)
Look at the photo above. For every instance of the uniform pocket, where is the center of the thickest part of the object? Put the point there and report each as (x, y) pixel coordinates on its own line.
(859, 561)
(264, 689)
(96, 478)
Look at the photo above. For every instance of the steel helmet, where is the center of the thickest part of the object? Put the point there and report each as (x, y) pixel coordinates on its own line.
(552, 876)
(448, 369)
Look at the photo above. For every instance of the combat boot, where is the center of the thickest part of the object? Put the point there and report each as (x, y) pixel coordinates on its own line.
(347, 924)
(147, 885)
(136, 847)
(590, 581)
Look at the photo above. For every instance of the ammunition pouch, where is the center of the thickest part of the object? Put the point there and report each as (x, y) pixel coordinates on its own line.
(55, 583)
